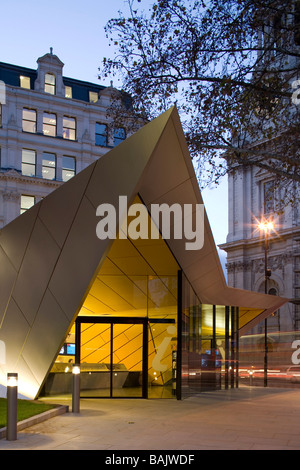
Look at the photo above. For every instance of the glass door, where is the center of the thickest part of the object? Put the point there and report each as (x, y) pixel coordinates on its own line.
(95, 359)
(113, 357)
(127, 360)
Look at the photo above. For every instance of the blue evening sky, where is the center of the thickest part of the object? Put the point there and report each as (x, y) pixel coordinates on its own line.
(75, 30)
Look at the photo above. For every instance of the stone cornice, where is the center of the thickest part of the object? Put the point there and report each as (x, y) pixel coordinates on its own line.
(249, 242)
(14, 175)
(257, 265)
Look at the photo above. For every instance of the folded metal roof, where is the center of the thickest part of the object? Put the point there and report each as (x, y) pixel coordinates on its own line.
(50, 255)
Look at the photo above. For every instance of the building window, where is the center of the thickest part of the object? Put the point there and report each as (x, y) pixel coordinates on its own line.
(25, 82)
(49, 166)
(28, 162)
(68, 91)
(68, 168)
(50, 83)
(0, 115)
(119, 135)
(101, 134)
(29, 120)
(26, 203)
(93, 96)
(269, 197)
(49, 124)
(69, 128)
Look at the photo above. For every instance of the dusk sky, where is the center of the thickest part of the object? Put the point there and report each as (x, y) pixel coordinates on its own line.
(75, 30)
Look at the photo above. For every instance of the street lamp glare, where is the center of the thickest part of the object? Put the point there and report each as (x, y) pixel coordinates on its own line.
(266, 226)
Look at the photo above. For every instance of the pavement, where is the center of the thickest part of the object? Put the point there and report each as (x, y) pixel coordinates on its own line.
(248, 418)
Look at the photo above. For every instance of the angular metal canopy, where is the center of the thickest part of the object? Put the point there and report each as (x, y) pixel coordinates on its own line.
(50, 255)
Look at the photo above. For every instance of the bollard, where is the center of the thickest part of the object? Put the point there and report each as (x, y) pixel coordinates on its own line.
(251, 378)
(76, 389)
(12, 405)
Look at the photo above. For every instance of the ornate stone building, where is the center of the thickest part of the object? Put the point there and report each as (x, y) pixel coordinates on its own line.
(51, 127)
(246, 250)
(252, 198)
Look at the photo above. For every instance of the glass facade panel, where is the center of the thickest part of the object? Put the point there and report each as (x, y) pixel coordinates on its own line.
(209, 344)
(162, 354)
(127, 360)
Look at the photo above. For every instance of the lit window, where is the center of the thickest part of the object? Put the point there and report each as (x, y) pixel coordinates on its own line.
(49, 166)
(50, 83)
(29, 120)
(101, 134)
(49, 124)
(93, 96)
(25, 82)
(68, 168)
(119, 135)
(69, 128)
(28, 162)
(68, 92)
(269, 197)
(26, 203)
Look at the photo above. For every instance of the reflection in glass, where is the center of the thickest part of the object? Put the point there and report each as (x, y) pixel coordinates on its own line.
(29, 120)
(26, 203)
(101, 134)
(119, 135)
(28, 162)
(49, 124)
(68, 168)
(49, 83)
(49, 166)
(209, 344)
(69, 128)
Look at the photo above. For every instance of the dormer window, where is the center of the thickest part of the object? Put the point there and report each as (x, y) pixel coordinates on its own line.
(93, 96)
(50, 83)
(68, 92)
(24, 82)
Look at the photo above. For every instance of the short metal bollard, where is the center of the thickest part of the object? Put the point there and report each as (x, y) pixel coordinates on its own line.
(76, 389)
(12, 406)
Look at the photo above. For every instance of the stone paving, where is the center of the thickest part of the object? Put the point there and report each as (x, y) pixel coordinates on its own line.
(238, 419)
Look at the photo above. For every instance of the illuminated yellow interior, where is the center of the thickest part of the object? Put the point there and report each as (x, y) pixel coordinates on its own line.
(138, 278)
